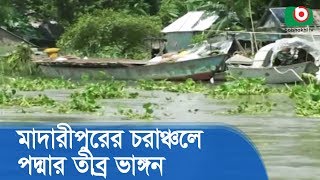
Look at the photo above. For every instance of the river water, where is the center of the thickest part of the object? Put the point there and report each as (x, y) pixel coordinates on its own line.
(289, 145)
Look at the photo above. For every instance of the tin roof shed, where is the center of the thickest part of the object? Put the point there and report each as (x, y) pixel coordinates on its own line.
(192, 22)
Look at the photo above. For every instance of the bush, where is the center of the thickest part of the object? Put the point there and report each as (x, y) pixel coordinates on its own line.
(107, 33)
(19, 62)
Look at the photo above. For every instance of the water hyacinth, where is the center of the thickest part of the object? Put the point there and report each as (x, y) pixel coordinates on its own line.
(188, 86)
(40, 84)
(241, 86)
(8, 97)
(131, 114)
(307, 99)
(86, 100)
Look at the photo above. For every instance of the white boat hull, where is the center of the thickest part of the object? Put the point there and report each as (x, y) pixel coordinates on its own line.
(273, 75)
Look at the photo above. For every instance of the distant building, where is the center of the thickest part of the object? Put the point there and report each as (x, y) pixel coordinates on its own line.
(179, 34)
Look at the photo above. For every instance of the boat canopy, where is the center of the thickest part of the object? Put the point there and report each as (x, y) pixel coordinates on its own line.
(312, 48)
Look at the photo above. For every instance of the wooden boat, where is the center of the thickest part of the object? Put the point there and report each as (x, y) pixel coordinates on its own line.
(274, 75)
(197, 69)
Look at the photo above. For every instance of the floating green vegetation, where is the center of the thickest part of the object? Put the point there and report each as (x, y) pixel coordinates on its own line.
(106, 90)
(251, 108)
(86, 101)
(252, 88)
(40, 84)
(183, 87)
(150, 85)
(280, 89)
(307, 99)
(131, 114)
(40, 100)
(241, 86)
(80, 102)
(8, 97)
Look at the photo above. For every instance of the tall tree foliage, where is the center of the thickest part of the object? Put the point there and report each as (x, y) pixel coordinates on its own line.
(108, 33)
(15, 14)
(5, 10)
(285, 3)
(69, 10)
(314, 4)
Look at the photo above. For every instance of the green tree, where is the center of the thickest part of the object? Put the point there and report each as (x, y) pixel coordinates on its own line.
(109, 33)
(66, 11)
(314, 4)
(5, 11)
(154, 6)
(286, 3)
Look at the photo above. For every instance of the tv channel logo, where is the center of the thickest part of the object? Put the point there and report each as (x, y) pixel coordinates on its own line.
(298, 16)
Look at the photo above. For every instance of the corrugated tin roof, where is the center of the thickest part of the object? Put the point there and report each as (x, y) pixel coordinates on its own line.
(192, 21)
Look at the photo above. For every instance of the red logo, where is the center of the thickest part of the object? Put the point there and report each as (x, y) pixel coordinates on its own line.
(301, 14)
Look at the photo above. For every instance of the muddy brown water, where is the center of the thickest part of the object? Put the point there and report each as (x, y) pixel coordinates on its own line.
(290, 146)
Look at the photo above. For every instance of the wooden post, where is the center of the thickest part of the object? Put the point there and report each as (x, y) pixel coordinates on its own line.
(252, 44)
(253, 38)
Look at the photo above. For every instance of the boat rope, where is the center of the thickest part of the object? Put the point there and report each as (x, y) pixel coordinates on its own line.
(289, 70)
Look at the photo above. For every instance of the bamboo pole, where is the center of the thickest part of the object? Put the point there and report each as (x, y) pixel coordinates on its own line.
(254, 41)
(2, 71)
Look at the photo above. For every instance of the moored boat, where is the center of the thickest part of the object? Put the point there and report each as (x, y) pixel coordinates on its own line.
(284, 61)
(273, 75)
(198, 69)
